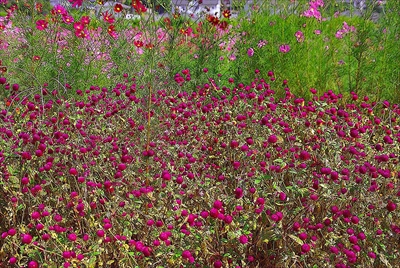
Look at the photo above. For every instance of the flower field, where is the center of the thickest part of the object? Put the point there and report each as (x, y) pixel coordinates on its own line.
(175, 142)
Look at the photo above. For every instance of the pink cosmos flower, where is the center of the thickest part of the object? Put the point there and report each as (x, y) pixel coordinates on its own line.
(299, 36)
(85, 20)
(68, 19)
(313, 11)
(250, 52)
(41, 25)
(82, 33)
(76, 3)
(262, 43)
(58, 9)
(111, 31)
(284, 48)
(78, 26)
(339, 34)
(107, 17)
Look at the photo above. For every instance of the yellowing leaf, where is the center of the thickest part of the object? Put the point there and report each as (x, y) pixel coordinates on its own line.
(296, 239)
(384, 260)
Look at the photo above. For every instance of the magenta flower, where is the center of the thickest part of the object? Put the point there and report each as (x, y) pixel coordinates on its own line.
(41, 25)
(313, 11)
(68, 19)
(284, 48)
(79, 26)
(111, 31)
(272, 139)
(85, 20)
(72, 237)
(108, 17)
(250, 52)
(305, 248)
(299, 36)
(76, 3)
(26, 238)
(243, 239)
(58, 9)
(82, 33)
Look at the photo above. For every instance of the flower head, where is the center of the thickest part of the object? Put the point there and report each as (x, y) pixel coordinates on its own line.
(41, 25)
(76, 3)
(58, 9)
(138, 6)
(299, 36)
(262, 43)
(85, 20)
(68, 19)
(111, 31)
(226, 13)
(243, 239)
(78, 26)
(284, 48)
(107, 17)
(118, 8)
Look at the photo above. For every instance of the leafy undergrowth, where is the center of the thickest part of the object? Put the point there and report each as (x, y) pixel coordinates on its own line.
(217, 177)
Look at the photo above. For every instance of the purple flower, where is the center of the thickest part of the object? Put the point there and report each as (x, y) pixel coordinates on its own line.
(299, 36)
(313, 11)
(250, 52)
(284, 48)
(262, 43)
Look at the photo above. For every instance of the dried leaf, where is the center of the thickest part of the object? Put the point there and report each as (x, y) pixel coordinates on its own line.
(384, 260)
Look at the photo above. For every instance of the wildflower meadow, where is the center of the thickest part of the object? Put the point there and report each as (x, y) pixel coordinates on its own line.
(180, 134)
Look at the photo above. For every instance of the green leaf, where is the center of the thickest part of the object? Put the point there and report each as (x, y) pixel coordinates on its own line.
(279, 161)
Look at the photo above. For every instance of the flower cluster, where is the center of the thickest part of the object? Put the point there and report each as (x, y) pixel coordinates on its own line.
(345, 30)
(95, 181)
(313, 9)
